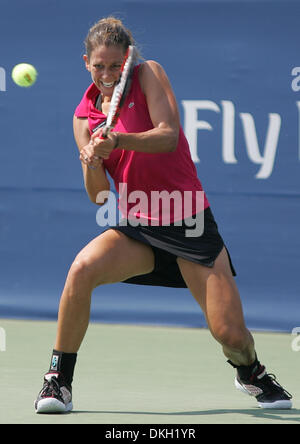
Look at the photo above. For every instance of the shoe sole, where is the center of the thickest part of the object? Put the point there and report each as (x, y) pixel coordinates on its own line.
(52, 405)
(282, 404)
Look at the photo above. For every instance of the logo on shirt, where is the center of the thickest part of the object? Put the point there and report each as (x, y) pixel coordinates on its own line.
(131, 104)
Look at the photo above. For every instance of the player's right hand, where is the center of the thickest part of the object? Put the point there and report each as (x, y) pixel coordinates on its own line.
(89, 157)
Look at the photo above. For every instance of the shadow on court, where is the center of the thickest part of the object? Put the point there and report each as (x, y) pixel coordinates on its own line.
(276, 415)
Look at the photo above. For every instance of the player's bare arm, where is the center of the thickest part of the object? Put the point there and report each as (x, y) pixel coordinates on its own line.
(95, 178)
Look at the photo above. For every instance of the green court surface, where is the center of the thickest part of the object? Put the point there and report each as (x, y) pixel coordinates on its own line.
(142, 375)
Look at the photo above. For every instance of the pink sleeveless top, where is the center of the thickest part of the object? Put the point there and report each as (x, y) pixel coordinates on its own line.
(155, 188)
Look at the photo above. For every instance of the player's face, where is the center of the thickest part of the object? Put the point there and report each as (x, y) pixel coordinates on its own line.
(105, 65)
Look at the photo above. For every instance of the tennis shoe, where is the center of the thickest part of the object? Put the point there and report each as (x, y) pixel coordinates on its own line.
(55, 396)
(266, 389)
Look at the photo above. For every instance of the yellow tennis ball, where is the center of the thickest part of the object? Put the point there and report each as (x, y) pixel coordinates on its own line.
(24, 74)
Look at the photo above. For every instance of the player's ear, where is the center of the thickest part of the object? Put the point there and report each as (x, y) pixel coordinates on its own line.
(86, 61)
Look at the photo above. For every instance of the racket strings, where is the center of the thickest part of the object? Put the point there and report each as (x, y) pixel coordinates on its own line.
(119, 89)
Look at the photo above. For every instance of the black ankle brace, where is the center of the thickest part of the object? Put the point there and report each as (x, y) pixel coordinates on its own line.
(63, 363)
(245, 372)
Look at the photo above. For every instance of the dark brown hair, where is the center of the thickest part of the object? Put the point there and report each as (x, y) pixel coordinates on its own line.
(108, 31)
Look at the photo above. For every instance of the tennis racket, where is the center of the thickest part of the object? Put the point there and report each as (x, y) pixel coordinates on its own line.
(119, 93)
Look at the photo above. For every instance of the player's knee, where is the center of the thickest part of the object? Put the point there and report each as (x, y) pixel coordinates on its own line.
(79, 273)
(82, 274)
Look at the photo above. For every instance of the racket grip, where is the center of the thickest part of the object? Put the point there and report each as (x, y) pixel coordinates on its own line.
(104, 135)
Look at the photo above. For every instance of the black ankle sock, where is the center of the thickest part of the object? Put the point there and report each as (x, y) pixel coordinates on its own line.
(63, 363)
(245, 372)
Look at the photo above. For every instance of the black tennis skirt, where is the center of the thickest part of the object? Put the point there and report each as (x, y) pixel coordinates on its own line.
(172, 241)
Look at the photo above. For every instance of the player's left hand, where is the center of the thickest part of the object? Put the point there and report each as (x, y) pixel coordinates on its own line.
(88, 156)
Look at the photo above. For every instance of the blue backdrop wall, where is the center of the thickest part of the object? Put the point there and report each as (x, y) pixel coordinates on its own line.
(234, 70)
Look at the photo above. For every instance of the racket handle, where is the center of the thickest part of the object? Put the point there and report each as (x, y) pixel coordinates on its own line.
(104, 134)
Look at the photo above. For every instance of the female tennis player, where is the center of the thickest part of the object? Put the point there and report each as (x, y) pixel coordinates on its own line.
(147, 152)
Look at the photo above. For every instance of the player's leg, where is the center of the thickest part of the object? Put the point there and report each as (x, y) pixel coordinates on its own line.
(216, 292)
(111, 257)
